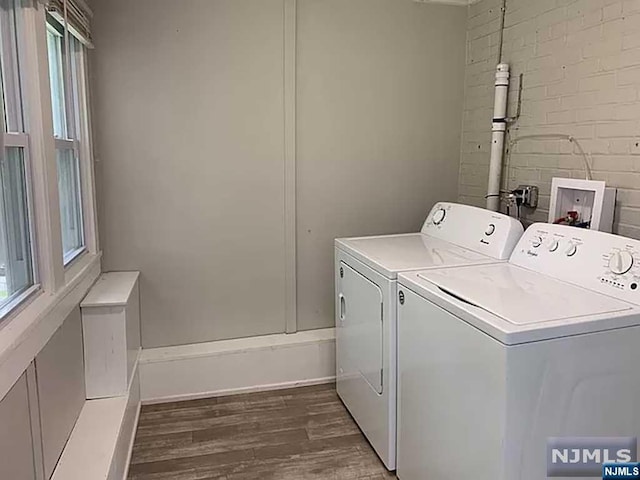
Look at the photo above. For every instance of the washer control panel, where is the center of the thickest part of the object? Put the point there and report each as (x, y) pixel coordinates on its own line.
(483, 231)
(595, 260)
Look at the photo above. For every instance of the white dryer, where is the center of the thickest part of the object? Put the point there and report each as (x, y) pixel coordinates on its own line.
(366, 270)
(494, 359)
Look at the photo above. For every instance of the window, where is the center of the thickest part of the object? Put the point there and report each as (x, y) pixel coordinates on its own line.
(65, 52)
(17, 272)
(56, 77)
(45, 166)
(70, 203)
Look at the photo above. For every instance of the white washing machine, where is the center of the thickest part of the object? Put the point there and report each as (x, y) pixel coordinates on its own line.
(366, 271)
(494, 359)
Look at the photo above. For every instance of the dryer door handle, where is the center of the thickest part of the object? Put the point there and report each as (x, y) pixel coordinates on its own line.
(343, 307)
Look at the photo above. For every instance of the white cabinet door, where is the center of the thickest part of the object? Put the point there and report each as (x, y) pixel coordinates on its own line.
(16, 442)
(360, 326)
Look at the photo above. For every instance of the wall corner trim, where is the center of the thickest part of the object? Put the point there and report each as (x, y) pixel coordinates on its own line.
(290, 224)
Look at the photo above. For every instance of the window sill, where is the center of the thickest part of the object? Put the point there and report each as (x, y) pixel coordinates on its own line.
(28, 331)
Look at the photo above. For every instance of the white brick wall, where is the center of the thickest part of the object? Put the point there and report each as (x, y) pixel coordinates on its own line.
(581, 66)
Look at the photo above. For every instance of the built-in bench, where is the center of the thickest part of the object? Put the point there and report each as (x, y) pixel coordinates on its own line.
(100, 444)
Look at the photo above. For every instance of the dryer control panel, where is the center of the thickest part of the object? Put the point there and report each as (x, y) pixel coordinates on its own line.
(483, 231)
(599, 261)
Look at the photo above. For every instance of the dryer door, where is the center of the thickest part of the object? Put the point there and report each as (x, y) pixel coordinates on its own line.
(360, 323)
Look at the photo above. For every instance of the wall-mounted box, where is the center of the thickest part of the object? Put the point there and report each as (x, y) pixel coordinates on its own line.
(111, 331)
(593, 201)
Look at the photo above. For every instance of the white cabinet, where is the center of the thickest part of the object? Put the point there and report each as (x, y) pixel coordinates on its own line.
(111, 329)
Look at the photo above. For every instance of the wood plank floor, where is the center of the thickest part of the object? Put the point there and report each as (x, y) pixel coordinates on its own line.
(295, 434)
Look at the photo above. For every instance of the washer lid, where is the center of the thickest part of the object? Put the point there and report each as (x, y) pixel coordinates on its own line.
(519, 296)
(391, 254)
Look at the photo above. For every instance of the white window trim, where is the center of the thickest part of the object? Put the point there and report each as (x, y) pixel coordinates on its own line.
(12, 111)
(63, 78)
(85, 154)
(63, 144)
(21, 140)
(19, 302)
(70, 257)
(44, 178)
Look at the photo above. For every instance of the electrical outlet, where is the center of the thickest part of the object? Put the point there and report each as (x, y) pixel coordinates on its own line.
(526, 195)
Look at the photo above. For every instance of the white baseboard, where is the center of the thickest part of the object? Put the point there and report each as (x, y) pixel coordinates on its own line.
(237, 366)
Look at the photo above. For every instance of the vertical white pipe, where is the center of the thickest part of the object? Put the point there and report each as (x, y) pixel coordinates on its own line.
(499, 129)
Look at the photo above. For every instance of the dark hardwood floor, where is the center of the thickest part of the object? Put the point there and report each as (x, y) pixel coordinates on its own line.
(295, 434)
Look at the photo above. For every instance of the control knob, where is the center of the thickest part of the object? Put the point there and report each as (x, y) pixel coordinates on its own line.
(438, 216)
(536, 242)
(620, 262)
(490, 230)
(571, 250)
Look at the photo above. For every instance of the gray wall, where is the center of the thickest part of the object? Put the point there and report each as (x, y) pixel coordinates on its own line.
(189, 138)
(379, 111)
(189, 118)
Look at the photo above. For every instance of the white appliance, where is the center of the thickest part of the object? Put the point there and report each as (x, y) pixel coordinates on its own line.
(494, 359)
(366, 271)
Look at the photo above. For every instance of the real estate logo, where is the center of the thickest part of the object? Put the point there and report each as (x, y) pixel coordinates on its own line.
(620, 471)
(585, 456)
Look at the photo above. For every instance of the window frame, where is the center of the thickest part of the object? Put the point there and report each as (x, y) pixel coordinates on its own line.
(18, 136)
(21, 140)
(60, 47)
(77, 133)
(85, 150)
(72, 146)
